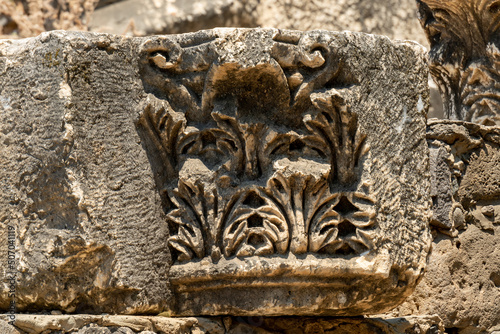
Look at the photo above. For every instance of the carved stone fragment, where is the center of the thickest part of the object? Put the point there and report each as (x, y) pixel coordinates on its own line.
(464, 36)
(221, 172)
(293, 169)
(465, 166)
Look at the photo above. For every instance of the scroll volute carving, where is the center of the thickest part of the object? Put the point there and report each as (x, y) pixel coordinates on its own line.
(464, 58)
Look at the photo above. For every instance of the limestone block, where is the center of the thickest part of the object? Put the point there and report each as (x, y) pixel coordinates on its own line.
(221, 172)
(279, 178)
(465, 168)
(461, 282)
(75, 181)
(91, 324)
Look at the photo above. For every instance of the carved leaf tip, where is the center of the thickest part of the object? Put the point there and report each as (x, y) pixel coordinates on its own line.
(336, 125)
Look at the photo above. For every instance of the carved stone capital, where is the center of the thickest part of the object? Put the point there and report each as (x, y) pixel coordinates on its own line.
(293, 169)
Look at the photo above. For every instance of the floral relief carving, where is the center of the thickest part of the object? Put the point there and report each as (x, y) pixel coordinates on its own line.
(335, 127)
(242, 176)
(255, 226)
(342, 225)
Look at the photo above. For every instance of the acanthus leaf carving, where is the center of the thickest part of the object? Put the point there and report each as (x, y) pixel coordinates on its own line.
(272, 174)
(195, 217)
(243, 141)
(255, 226)
(295, 172)
(299, 195)
(343, 224)
(336, 126)
(165, 128)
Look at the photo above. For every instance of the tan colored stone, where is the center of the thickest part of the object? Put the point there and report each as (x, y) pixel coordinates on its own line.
(461, 283)
(37, 324)
(278, 186)
(462, 280)
(276, 159)
(74, 168)
(6, 328)
(87, 324)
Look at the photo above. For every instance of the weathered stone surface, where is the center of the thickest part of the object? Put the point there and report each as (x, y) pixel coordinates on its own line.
(75, 181)
(465, 56)
(87, 324)
(7, 328)
(286, 165)
(462, 282)
(465, 167)
(119, 324)
(395, 19)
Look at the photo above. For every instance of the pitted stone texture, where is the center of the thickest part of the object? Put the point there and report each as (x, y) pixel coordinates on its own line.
(86, 324)
(75, 180)
(92, 201)
(112, 324)
(462, 282)
(465, 168)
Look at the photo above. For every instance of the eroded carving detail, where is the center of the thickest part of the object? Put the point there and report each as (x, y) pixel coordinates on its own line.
(236, 183)
(465, 169)
(255, 226)
(258, 140)
(465, 56)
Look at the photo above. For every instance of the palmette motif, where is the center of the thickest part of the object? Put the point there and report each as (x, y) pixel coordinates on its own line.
(259, 220)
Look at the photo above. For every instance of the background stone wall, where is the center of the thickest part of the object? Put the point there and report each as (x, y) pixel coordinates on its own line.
(26, 18)
(395, 19)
